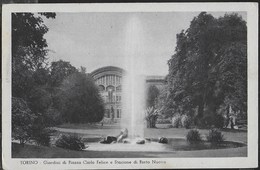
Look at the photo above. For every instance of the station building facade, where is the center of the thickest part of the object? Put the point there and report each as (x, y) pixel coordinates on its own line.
(109, 81)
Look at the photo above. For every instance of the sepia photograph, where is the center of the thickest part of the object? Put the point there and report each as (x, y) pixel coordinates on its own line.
(95, 86)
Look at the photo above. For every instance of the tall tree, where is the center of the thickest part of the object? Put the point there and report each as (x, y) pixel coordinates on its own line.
(29, 49)
(81, 101)
(60, 70)
(209, 65)
(29, 75)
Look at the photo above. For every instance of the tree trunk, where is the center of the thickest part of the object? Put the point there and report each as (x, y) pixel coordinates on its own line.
(200, 113)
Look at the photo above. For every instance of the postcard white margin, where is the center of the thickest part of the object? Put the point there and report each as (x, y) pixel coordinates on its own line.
(214, 162)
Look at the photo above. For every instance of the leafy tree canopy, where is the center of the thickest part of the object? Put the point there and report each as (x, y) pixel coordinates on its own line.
(80, 99)
(29, 50)
(59, 71)
(209, 66)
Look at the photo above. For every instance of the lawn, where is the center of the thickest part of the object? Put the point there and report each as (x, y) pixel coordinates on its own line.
(91, 131)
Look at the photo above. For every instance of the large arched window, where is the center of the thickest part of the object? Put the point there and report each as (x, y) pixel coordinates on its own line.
(110, 88)
(101, 88)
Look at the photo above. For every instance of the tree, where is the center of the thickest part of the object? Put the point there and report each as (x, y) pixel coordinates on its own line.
(39, 99)
(81, 101)
(164, 103)
(30, 77)
(29, 50)
(152, 94)
(209, 66)
(59, 71)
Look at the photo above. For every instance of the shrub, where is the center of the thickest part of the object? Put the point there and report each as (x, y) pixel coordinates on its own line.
(71, 142)
(22, 120)
(215, 136)
(151, 115)
(42, 136)
(186, 121)
(193, 136)
(176, 121)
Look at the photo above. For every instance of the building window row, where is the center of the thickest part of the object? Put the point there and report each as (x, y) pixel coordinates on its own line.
(109, 79)
(112, 98)
(109, 113)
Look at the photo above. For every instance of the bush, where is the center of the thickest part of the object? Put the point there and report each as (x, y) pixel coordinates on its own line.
(71, 142)
(42, 136)
(215, 136)
(186, 121)
(22, 120)
(193, 136)
(176, 121)
(151, 115)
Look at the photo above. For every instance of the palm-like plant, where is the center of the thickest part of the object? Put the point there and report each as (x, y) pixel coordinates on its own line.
(151, 115)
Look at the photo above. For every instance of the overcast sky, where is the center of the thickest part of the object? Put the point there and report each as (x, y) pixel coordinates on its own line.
(94, 40)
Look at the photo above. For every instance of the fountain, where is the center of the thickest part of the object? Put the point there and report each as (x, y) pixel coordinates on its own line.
(133, 81)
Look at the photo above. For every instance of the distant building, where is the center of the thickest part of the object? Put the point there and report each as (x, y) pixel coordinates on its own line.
(109, 81)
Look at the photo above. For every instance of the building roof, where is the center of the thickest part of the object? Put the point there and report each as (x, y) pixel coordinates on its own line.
(153, 77)
(106, 68)
(149, 78)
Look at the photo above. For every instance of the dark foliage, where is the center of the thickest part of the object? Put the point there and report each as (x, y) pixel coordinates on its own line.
(29, 50)
(39, 86)
(215, 136)
(209, 67)
(212, 120)
(80, 101)
(176, 121)
(219, 121)
(22, 120)
(42, 136)
(71, 142)
(59, 71)
(193, 136)
(186, 121)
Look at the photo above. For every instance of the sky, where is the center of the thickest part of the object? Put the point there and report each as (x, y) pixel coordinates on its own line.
(95, 40)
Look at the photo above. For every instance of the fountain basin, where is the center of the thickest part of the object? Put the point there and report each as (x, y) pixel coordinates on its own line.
(152, 145)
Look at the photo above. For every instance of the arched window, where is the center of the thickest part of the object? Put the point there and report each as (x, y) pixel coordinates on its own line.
(110, 88)
(101, 88)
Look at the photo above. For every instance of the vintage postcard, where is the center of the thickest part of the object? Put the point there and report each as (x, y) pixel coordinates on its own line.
(130, 86)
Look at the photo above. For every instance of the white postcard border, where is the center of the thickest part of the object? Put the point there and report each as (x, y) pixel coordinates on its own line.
(224, 162)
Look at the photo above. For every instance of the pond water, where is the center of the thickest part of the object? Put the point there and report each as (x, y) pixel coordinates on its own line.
(152, 145)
